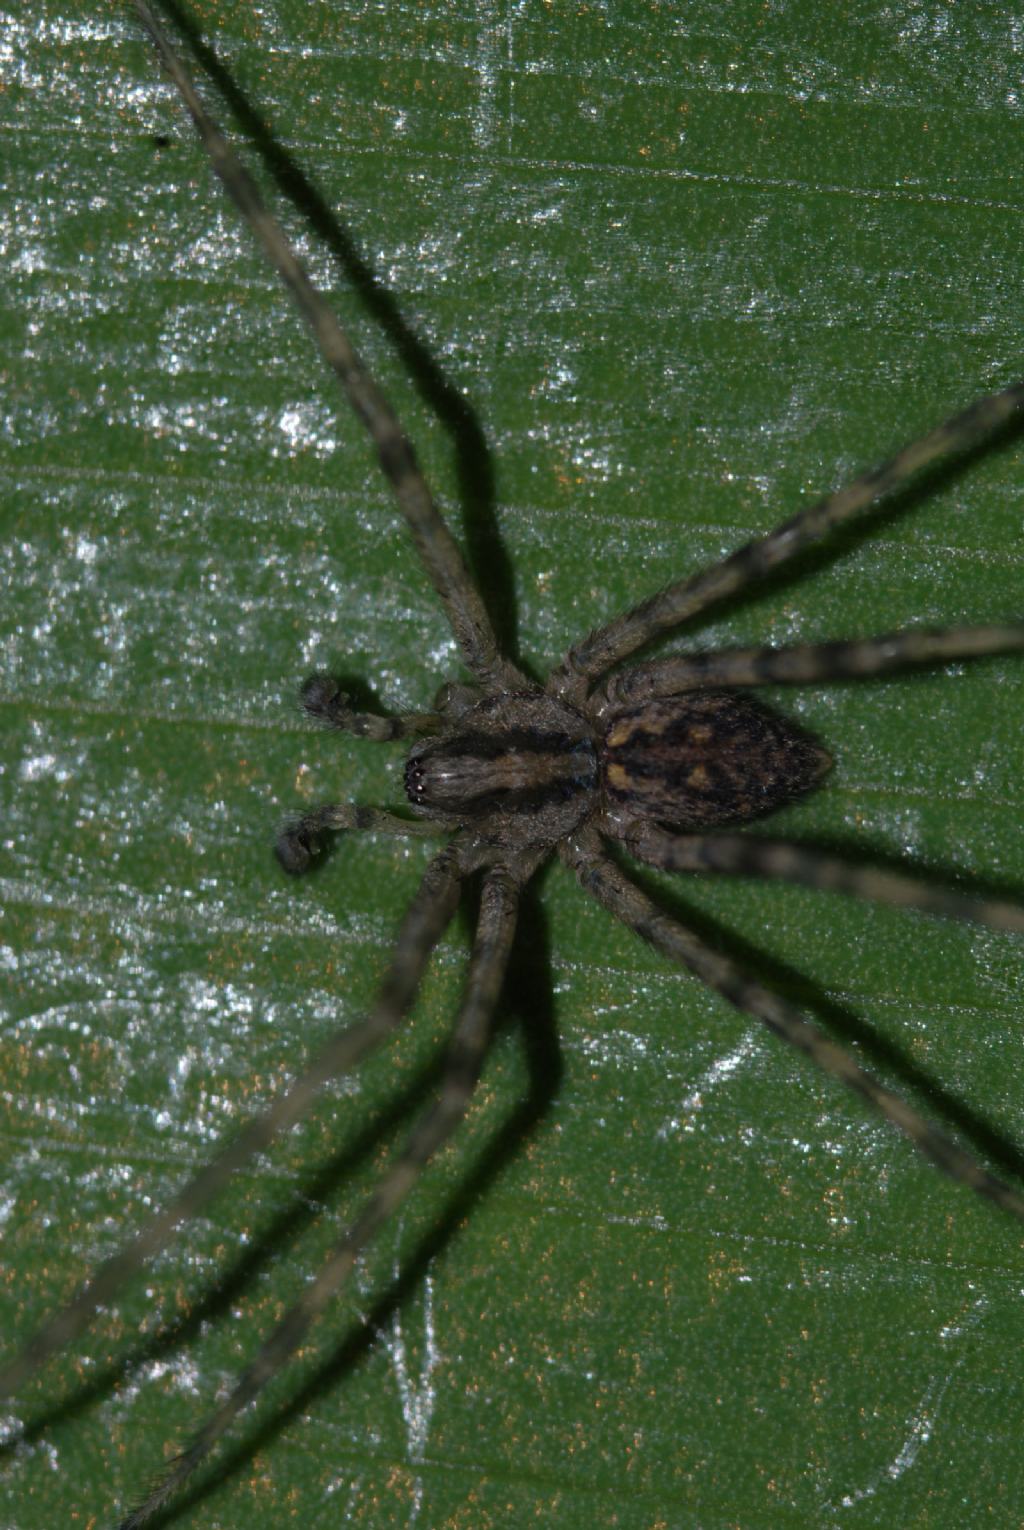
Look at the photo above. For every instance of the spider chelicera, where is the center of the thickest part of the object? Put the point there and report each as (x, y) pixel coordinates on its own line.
(655, 758)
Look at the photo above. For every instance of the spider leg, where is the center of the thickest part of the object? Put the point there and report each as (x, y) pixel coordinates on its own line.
(434, 542)
(749, 855)
(424, 923)
(628, 632)
(804, 663)
(299, 841)
(599, 875)
(491, 946)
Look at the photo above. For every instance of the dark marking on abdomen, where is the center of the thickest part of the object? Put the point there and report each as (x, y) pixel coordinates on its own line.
(706, 758)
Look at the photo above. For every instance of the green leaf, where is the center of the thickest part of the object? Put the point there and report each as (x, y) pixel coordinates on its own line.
(687, 267)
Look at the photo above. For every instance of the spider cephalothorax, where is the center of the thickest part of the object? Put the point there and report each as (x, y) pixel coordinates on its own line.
(653, 757)
(518, 765)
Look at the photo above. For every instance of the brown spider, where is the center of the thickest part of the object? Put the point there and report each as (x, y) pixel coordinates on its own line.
(651, 757)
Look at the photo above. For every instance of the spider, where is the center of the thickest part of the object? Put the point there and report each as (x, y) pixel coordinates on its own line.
(654, 759)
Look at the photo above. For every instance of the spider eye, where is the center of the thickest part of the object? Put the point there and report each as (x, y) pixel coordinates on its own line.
(415, 782)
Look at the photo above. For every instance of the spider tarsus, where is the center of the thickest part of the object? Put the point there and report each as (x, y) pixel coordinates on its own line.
(179, 1467)
(296, 847)
(323, 700)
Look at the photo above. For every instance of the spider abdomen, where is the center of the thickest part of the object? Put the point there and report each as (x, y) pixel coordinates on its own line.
(705, 758)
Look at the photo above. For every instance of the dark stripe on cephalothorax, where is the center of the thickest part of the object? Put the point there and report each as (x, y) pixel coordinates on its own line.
(523, 799)
(524, 741)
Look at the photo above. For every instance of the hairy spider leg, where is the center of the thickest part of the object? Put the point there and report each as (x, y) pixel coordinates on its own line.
(435, 544)
(424, 923)
(748, 855)
(597, 873)
(805, 663)
(492, 943)
(587, 661)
